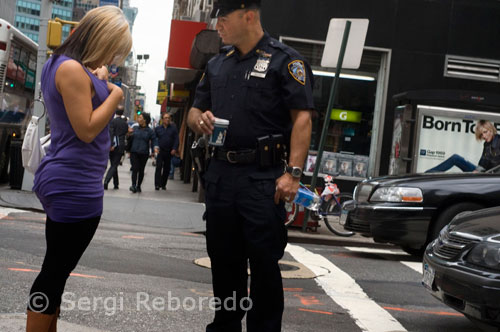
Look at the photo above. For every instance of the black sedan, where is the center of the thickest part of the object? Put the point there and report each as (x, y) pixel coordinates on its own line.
(462, 266)
(410, 210)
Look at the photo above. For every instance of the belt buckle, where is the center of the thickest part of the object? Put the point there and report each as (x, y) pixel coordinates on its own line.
(228, 156)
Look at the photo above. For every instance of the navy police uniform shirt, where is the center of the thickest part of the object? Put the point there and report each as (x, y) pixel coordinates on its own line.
(255, 92)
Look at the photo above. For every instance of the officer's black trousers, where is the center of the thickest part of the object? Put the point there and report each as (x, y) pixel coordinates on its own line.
(245, 226)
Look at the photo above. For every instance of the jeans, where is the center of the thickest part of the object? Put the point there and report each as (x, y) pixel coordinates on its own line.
(454, 160)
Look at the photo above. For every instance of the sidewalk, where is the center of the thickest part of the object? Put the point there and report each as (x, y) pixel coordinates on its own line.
(176, 208)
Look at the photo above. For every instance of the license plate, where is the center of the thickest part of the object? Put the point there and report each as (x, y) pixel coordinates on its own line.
(343, 217)
(428, 278)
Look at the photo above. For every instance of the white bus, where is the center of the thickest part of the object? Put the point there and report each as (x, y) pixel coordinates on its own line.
(18, 58)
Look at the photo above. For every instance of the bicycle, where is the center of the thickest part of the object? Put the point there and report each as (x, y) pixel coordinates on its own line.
(330, 209)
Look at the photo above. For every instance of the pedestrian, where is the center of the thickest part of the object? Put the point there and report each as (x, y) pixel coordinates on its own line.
(143, 138)
(68, 181)
(118, 128)
(264, 89)
(168, 141)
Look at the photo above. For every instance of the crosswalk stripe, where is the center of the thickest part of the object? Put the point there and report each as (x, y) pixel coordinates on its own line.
(416, 266)
(344, 291)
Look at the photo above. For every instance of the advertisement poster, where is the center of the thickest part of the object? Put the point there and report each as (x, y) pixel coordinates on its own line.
(445, 132)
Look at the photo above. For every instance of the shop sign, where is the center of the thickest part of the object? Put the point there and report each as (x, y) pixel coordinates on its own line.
(162, 92)
(346, 116)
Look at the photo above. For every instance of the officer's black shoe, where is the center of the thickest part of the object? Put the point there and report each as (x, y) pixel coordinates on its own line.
(133, 189)
(157, 188)
(116, 187)
(138, 189)
(105, 186)
(163, 188)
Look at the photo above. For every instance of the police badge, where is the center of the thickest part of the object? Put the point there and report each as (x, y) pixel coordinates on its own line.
(297, 70)
(262, 65)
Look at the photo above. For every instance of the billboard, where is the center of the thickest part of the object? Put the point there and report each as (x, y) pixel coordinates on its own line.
(443, 132)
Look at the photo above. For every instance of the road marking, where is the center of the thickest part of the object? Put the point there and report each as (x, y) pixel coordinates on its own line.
(439, 313)
(316, 311)
(416, 266)
(344, 291)
(133, 237)
(71, 274)
(4, 212)
(190, 234)
(293, 289)
(308, 300)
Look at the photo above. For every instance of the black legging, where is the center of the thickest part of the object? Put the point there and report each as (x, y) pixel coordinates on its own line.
(138, 161)
(66, 243)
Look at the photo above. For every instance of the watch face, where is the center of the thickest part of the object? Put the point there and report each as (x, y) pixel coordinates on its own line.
(296, 172)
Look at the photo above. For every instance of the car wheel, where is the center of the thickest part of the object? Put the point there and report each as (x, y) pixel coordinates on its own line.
(447, 215)
(413, 251)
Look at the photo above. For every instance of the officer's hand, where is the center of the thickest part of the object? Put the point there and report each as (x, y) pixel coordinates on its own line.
(286, 188)
(172, 152)
(205, 122)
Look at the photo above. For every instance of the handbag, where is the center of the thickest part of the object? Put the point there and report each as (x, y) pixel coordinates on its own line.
(34, 148)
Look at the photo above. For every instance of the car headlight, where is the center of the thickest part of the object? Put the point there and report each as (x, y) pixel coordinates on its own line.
(397, 194)
(486, 255)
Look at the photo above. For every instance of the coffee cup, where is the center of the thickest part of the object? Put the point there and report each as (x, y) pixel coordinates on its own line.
(219, 134)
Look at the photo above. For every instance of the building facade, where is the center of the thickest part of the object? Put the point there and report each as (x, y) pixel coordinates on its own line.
(27, 16)
(8, 10)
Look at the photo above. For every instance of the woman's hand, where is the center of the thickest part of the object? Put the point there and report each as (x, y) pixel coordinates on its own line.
(115, 89)
(101, 73)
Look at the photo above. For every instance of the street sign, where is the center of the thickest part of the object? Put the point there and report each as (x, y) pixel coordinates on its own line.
(354, 47)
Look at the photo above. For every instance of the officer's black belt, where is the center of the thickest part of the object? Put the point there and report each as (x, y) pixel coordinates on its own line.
(247, 156)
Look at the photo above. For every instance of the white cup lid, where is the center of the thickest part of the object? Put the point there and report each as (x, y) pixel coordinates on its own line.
(221, 121)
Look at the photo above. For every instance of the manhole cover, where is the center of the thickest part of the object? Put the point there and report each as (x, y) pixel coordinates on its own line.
(289, 270)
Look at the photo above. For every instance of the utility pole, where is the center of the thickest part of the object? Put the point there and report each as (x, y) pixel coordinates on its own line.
(38, 109)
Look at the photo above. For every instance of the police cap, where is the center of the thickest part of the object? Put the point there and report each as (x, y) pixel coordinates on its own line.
(224, 7)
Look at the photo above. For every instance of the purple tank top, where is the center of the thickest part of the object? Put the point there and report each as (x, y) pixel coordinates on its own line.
(68, 181)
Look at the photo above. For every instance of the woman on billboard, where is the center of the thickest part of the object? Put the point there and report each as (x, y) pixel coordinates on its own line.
(490, 157)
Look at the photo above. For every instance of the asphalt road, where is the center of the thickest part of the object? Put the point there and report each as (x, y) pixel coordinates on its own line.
(141, 276)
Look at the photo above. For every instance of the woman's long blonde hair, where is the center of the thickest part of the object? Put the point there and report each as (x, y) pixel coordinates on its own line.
(484, 124)
(103, 35)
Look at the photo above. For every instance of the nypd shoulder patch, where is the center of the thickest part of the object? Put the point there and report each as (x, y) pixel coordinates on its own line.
(297, 70)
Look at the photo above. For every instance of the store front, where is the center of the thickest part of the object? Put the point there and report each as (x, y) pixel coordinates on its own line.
(352, 146)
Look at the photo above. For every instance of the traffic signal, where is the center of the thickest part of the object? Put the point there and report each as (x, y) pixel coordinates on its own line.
(139, 110)
(54, 34)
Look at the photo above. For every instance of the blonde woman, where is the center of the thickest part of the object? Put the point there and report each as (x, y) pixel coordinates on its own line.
(80, 104)
(485, 130)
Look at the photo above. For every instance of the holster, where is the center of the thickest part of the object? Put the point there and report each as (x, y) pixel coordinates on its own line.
(271, 150)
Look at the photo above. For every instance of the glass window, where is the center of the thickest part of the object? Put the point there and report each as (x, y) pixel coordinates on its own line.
(348, 139)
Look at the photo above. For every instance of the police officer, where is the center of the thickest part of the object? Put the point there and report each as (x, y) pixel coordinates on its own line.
(264, 89)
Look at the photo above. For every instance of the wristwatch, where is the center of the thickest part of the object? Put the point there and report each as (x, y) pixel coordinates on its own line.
(296, 172)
